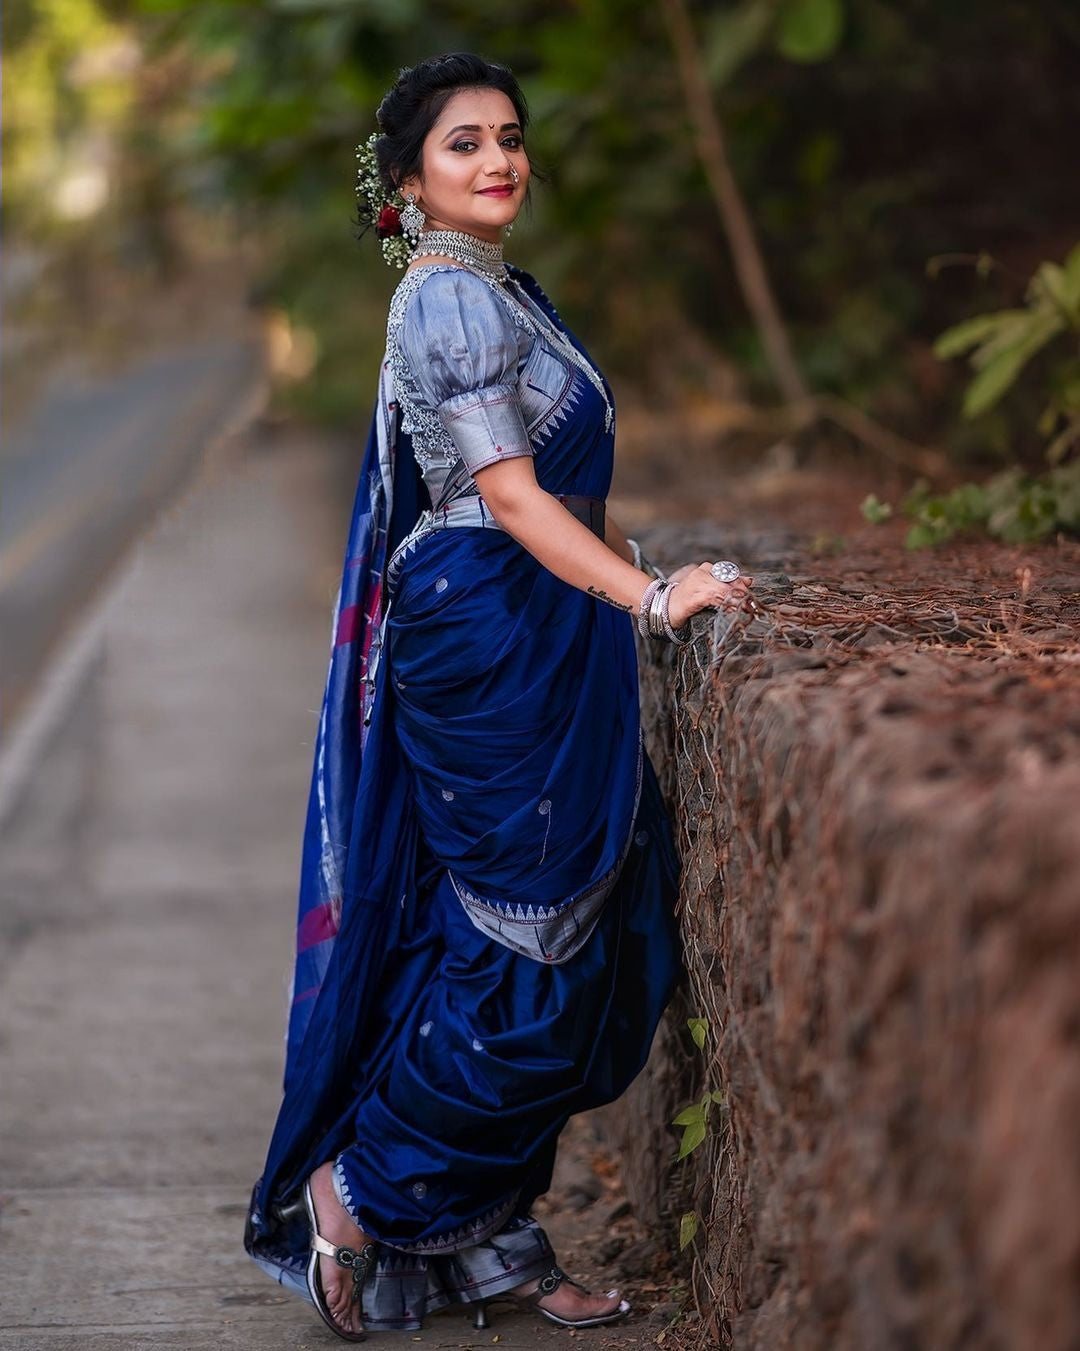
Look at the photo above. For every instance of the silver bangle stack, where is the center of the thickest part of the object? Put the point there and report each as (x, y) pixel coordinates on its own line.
(653, 619)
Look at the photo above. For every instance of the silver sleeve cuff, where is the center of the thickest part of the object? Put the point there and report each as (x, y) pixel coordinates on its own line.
(486, 425)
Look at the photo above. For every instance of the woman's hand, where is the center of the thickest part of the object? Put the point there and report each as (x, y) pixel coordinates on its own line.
(680, 573)
(699, 590)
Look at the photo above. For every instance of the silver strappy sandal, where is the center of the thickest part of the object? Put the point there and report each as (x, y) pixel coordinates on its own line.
(360, 1263)
(549, 1283)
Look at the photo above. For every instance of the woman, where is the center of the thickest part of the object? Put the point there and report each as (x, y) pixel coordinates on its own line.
(486, 938)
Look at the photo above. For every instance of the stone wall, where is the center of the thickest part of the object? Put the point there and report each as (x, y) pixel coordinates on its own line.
(876, 789)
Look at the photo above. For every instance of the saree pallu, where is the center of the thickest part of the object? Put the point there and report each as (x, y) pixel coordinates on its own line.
(486, 938)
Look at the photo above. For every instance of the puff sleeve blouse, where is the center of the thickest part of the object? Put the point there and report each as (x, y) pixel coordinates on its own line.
(464, 351)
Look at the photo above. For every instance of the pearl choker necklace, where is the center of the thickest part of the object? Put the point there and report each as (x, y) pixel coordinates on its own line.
(463, 248)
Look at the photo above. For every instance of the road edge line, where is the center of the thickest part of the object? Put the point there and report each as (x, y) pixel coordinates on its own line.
(75, 655)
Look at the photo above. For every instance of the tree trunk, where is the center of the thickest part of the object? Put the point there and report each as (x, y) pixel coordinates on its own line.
(749, 264)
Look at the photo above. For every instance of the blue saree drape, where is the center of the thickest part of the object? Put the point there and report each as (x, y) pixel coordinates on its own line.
(485, 937)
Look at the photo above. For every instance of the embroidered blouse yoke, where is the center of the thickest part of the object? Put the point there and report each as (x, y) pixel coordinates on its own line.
(463, 350)
(480, 372)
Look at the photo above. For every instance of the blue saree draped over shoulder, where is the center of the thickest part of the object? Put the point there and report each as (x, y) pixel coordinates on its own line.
(486, 936)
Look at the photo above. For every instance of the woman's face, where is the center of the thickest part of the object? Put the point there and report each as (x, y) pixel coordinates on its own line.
(468, 152)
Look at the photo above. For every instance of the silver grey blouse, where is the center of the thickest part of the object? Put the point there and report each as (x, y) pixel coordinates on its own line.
(479, 371)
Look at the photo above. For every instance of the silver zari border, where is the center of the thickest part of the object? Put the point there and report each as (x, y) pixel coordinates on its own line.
(550, 934)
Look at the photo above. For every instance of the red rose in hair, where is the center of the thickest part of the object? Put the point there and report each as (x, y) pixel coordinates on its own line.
(389, 223)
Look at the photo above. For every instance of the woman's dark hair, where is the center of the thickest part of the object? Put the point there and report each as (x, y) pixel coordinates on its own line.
(411, 107)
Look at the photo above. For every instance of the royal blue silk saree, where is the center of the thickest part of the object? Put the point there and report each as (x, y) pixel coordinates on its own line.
(485, 938)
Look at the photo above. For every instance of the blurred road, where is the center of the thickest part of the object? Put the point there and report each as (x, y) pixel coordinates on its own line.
(147, 899)
(147, 884)
(92, 460)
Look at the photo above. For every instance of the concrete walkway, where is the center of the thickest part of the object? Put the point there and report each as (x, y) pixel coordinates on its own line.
(148, 874)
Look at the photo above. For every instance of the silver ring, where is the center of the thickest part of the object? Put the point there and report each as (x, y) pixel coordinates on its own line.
(726, 570)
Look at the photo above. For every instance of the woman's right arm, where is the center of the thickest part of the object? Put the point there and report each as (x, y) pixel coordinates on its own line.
(462, 348)
(569, 549)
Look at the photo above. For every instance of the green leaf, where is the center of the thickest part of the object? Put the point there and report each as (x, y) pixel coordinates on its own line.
(699, 1028)
(875, 511)
(996, 377)
(1048, 419)
(957, 339)
(1030, 517)
(692, 1137)
(809, 30)
(918, 493)
(818, 158)
(1072, 275)
(1055, 284)
(688, 1227)
(966, 505)
(1067, 388)
(1060, 446)
(922, 535)
(690, 1116)
(1065, 481)
(718, 1095)
(1039, 319)
(1003, 488)
(732, 37)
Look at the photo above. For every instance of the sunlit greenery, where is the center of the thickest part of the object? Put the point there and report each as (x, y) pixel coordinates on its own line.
(867, 138)
(68, 87)
(1011, 505)
(1001, 345)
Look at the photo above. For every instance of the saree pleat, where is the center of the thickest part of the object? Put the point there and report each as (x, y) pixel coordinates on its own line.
(485, 938)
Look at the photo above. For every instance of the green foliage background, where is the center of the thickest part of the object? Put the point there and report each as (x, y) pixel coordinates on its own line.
(868, 138)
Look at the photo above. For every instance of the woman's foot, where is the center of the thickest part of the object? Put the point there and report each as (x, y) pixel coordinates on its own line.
(570, 1301)
(336, 1226)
